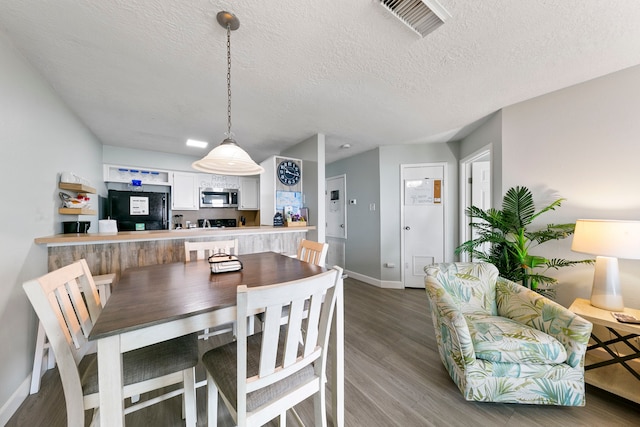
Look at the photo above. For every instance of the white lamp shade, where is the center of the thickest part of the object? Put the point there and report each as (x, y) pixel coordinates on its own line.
(609, 240)
(620, 239)
(228, 159)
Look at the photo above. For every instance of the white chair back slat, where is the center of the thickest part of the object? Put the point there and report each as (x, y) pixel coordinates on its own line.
(312, 324)
(71, 321)
(294, 330)
(270, 335)
(74, 293)
(204, 250)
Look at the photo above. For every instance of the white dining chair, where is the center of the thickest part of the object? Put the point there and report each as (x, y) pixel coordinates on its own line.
(43, 358)
(313, 252)
(67, 303)
(308, 251)
(203, 250)
(262, 376)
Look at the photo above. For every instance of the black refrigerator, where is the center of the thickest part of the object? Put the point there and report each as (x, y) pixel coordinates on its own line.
(137, 211)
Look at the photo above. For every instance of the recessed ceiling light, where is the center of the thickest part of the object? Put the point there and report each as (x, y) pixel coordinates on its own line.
(345, 146)
(196, 143)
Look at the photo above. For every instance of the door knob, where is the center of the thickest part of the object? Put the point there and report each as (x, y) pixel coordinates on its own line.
(341, 225)
(407, 228)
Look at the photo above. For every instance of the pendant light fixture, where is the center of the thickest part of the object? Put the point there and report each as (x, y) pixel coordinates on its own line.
(228, 158)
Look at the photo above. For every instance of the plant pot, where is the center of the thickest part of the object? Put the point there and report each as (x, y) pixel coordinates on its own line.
(75, 226)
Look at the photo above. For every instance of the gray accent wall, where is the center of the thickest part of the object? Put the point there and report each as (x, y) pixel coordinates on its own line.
(374, 237)
(40, 138)
(391, 158)
(362, 246)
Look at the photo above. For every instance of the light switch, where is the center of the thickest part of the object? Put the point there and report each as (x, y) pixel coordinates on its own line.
(372, 206)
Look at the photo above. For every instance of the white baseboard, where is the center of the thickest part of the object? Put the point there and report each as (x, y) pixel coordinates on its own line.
(11, 406)
(386, 284)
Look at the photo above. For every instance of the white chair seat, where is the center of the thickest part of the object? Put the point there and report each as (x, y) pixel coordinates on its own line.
(227, 379)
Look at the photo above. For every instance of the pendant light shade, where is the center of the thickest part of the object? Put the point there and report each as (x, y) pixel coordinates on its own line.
(228, 158)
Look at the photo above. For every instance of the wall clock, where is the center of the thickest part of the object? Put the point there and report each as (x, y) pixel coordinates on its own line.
(288, 172)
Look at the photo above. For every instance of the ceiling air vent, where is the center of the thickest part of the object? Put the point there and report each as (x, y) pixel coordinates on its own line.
(422, 16)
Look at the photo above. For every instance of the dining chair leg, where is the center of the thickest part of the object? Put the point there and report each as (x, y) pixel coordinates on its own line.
(320, 407)
(212, 401)
(189, 397)
(41, 347)
(283, 419)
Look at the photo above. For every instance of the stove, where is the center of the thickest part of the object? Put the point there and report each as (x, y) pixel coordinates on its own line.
(218, 223)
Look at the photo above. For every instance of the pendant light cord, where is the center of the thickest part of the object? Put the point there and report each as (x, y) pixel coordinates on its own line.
(228, 81)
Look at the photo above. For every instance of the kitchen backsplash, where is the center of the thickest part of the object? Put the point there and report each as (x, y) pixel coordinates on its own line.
(251, 217)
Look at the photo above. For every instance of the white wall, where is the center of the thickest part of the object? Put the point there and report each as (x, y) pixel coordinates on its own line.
(149, 159)
(312, 153)
(490, 132)
(581, 143)
(40, 138)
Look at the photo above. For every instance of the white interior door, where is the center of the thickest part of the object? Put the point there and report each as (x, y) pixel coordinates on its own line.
(336, 208)
(423, 204)
(481, 184)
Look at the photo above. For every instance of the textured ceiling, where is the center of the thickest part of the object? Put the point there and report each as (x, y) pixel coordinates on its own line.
(151, 73)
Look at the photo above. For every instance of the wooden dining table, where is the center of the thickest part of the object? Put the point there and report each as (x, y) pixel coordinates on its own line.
(159, 302)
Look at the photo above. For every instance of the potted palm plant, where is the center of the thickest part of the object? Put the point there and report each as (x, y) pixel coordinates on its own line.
(504, 239)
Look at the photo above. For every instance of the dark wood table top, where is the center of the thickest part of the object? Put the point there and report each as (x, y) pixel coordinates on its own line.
(146, 296)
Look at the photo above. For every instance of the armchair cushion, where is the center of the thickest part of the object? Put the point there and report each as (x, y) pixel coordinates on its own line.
(499, 339)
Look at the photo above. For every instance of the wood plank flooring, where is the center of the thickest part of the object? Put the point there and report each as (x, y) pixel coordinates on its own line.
(393, 377)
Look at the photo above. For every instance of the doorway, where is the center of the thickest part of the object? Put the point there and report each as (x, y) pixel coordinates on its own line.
(475, 190)
(423, 205)
(336, 219)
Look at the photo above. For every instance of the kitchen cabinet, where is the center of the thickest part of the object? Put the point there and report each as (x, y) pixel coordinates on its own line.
(77, 188)
(249, 193)
(184, 191)
(127, 174)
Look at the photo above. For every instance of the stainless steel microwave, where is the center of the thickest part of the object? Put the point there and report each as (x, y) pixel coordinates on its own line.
(218, 198)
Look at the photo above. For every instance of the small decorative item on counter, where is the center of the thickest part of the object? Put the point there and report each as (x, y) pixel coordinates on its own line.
(223, 263)
(80, 201)
(278, 220)
(296, 221)
(75, 227)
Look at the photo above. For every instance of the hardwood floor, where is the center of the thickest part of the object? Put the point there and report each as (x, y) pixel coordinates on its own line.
(393, 377)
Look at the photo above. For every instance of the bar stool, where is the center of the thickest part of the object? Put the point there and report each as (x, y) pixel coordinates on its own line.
(43, 349)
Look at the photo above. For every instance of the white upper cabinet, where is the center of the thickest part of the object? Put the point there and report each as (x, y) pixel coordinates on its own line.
(249, 193)
(185, 193)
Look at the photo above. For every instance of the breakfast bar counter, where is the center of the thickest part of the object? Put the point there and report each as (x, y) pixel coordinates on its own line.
(185, 233)
(113, 253)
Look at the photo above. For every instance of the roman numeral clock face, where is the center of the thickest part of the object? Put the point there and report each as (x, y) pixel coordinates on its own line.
(288, 172)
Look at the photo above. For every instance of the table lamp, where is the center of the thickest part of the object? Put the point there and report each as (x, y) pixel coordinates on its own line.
(609, 240)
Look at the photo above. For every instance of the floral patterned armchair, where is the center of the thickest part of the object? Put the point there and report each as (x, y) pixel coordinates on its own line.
(501, 342)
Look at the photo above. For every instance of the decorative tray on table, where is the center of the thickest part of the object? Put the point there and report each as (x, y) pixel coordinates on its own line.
(223, 263)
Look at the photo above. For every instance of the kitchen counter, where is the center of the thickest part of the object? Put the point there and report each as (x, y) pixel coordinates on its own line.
(132, 236)
(114, 253)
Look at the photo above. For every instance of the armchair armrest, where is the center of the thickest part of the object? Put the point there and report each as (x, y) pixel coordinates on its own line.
(450, 325)
(532, 309)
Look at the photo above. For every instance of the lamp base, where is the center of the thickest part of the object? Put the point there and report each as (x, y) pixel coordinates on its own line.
(606, 293)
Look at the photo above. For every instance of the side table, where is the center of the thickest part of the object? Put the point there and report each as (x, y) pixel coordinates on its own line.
(612, 363)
